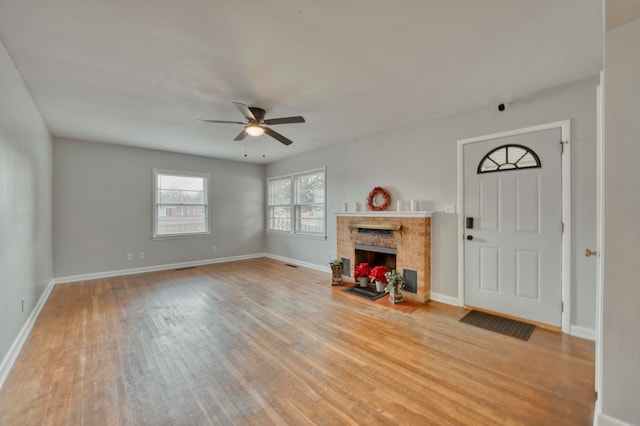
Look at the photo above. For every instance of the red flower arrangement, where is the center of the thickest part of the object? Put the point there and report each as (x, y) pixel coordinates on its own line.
(362, 271)
(377, 274)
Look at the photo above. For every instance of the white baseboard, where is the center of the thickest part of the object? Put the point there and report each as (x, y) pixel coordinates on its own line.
(583, 332)
(604, 420)
(443, 298)
(597, 411)
(16, 347)
(299, 263)
(120, 272)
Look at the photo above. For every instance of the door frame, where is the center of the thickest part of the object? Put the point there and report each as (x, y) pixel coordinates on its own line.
(565, 135)
(599, 240)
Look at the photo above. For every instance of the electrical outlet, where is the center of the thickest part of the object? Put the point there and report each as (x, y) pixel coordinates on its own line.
(140, 256)
(214, 249)
(129, 256)
(449, 208)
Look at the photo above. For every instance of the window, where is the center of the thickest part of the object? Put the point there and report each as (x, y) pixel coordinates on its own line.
(180, 203)
(509, 157)
(296, 203)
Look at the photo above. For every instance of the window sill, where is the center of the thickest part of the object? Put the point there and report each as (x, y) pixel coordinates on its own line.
(181, 236)
(299, 235)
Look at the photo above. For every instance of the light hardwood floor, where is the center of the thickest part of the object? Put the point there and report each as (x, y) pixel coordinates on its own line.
(260, 342)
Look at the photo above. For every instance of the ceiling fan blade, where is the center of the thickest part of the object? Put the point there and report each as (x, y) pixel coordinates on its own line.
(258, 113)
(219, 121)
(285, 120)
(277, 136)
(245, 111)
(240, 136)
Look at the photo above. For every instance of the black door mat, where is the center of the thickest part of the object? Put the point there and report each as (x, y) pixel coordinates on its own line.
(513, 328)
(365, 292)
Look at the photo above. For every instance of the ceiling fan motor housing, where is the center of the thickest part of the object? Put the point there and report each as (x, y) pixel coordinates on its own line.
(258, 114)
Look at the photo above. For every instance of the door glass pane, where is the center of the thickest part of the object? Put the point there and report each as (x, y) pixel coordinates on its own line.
(515, 153)
(509, 157)
(527, 161)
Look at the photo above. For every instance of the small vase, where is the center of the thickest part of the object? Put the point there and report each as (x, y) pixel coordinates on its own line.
(380, 286)
(395, 295)
(363, 281)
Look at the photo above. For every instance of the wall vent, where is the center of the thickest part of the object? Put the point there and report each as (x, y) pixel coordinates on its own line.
(346, 267)
(412, 280)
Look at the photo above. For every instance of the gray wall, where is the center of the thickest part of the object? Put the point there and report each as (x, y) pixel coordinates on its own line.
(103, 208)
(25, 203)
(419, 162)
(621, 315)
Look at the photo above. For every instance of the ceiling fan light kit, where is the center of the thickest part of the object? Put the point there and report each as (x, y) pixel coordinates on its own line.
(254, 129)
(255, 123)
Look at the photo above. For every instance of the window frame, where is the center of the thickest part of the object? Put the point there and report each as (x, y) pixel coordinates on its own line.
(296, 206)
(506, 147)
(181, 173)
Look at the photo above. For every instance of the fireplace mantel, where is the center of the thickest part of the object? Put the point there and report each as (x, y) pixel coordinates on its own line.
(379, 227)
(385, 214)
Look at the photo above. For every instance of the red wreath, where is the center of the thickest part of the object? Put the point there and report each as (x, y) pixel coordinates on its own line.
(372, 196)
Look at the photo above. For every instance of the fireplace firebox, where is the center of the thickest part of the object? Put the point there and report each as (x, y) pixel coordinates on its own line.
(374, 256)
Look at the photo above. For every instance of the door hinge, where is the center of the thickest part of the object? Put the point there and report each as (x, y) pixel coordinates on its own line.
(561, 306)
(562, 227)
(562, 146)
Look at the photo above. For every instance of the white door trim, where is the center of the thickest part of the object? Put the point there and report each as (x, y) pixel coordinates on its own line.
(565, 134)
(599, 242)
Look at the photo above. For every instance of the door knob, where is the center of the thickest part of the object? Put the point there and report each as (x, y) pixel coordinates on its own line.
(469, 237)
(588, 253)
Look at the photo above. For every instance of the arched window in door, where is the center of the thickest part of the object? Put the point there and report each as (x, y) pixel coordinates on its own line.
(509, 157)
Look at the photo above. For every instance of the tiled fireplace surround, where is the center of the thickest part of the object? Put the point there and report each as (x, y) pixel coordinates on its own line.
(412, 243)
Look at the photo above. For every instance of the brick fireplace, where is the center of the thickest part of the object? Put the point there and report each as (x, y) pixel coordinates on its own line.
(403, 238)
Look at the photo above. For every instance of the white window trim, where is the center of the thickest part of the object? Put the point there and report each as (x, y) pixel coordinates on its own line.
(207, 177)
(293, 205)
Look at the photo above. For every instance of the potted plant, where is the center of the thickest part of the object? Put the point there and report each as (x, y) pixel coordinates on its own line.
(377, 275)
(395, 284)
(361, 274)
(336, 271)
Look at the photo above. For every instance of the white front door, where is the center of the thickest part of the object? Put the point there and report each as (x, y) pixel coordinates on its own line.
(513, 225)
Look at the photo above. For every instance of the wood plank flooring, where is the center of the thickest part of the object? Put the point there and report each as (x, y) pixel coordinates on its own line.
(259, 342)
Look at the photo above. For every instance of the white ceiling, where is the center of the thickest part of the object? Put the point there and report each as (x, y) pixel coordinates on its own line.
(140, 72)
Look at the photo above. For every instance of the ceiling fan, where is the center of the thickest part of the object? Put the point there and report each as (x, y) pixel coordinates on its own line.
(256, 121)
